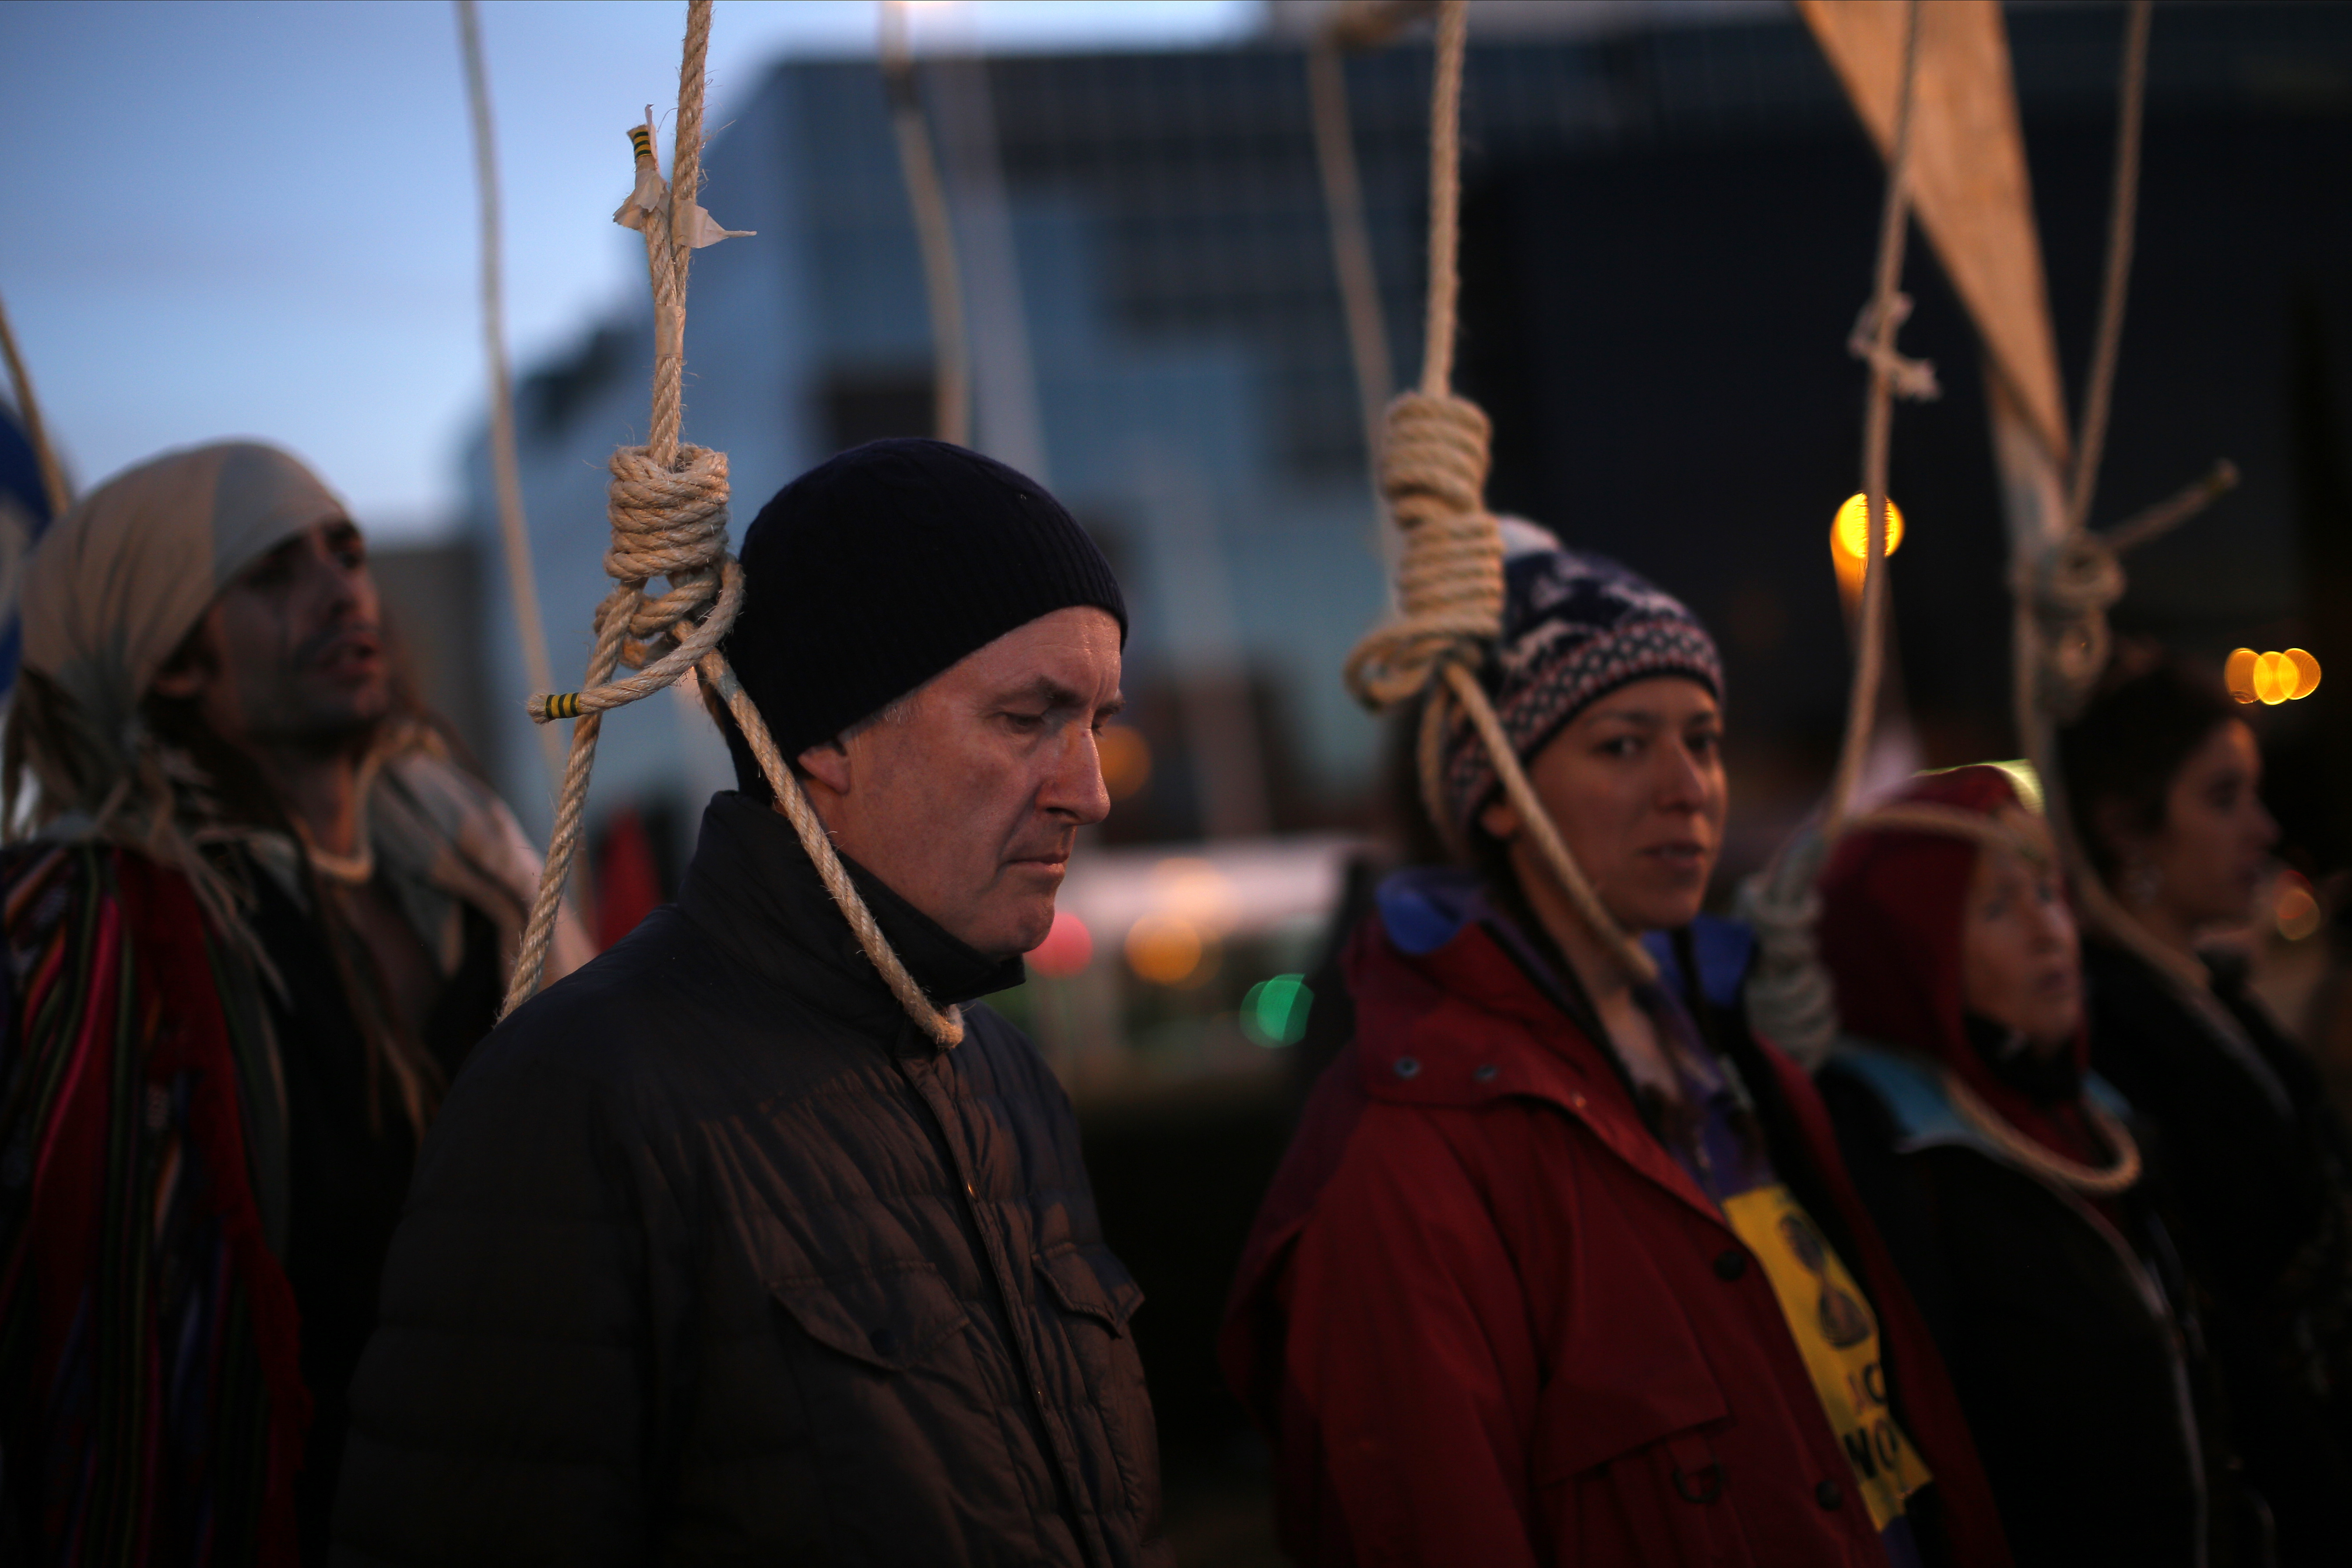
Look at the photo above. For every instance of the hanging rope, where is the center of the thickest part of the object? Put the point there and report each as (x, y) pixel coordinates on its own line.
(1789, 999)
(942, 284)
(522, 581)
(1887, 309)
(667, 507)
(2076, 577)
(29, 409)
(1352, 241)
(2123, 216)
(1434, 463)
(2065, 590)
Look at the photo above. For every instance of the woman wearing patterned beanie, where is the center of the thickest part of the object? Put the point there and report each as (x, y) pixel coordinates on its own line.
(1563, 1267)
(2003, 1177)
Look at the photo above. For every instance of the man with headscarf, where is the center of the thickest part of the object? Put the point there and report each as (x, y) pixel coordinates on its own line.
(718, 1254)
(260, 916)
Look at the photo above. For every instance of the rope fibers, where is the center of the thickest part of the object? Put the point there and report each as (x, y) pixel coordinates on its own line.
(667, 507)
(1433, 462)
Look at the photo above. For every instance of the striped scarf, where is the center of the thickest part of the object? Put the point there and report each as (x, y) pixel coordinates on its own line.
(151, 1398)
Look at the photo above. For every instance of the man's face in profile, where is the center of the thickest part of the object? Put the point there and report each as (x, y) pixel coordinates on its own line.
(290, 652)
(967, 802)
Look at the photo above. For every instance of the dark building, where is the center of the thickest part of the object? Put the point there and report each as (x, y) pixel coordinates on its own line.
(1668, 232)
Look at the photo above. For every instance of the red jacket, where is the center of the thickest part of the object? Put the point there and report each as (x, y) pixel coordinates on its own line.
(1488, 1319)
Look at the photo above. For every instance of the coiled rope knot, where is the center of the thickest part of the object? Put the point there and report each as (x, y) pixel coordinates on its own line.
(1450, 578)
(667, 523)
(1789, 999)
(2075, 582)
(1913, 379)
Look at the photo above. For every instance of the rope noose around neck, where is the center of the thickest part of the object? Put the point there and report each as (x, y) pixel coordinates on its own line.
(1433, 464)
(667, 507)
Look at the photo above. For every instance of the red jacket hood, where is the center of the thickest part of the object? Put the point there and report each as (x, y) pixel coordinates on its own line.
(1892, 907)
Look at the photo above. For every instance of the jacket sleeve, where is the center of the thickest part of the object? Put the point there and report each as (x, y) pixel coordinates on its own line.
(1402, 1440)
(508, 1409)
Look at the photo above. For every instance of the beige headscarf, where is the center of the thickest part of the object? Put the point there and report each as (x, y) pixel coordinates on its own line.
(111, 592)
(123, 577)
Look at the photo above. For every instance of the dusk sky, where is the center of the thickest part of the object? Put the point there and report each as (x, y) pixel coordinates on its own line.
(256, 217)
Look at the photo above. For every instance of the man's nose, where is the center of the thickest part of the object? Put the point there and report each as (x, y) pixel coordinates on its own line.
(1074, 788)
(337, 582)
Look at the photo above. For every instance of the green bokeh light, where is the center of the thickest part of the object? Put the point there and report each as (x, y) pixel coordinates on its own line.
(1274, 1013)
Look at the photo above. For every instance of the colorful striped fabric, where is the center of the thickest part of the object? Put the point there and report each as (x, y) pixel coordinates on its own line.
(151, 1398)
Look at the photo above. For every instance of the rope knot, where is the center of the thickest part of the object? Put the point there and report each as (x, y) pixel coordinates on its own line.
(1914, 379)
(2075, 582)
(667, 523)
(1789, 999)
(1449, 577)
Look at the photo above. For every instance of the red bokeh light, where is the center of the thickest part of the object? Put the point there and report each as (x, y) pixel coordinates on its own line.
(1067, 948)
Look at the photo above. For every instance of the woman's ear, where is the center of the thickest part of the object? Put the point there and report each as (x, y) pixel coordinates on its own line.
(2111, 822)
(1501, 821)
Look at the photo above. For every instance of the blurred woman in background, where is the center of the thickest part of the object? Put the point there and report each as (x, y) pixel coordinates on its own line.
(2005, 1185)
(2163, 779)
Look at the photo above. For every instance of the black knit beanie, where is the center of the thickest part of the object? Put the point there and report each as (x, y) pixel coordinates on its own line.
(881, 568)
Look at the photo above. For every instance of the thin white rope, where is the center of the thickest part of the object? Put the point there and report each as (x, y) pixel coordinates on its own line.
(514, 531)
(2115, 285)
(1790, 998)
(2066, 586)
(1887, 311)
(1351, 243)
(934, 233)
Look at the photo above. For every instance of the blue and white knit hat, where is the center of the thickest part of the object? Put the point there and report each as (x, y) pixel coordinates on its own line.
(1575, 627)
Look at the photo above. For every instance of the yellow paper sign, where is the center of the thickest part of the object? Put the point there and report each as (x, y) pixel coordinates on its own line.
(1837, 1333)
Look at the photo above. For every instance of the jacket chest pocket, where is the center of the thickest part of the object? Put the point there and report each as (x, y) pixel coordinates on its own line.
(1088, 1296)
(884, 1320)
(1627, 1465)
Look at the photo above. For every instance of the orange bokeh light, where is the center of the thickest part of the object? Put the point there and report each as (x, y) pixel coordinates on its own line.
(1126, 760)
(1169, 949)
(1849, 534)
(2271, 678)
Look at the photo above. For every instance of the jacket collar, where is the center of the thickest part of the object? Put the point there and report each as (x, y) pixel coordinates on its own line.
(1453, 1017)
(755, 895)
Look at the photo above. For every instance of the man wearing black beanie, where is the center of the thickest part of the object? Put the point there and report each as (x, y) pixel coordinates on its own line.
(714, 1253)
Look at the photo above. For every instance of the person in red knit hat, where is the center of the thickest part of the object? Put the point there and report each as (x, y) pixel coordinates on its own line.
(2008, 1187)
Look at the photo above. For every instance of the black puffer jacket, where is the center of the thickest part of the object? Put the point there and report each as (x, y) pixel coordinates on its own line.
(713, 1256)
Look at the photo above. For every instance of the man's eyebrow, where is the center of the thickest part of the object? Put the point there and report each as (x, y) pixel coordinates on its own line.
(1046, 689)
